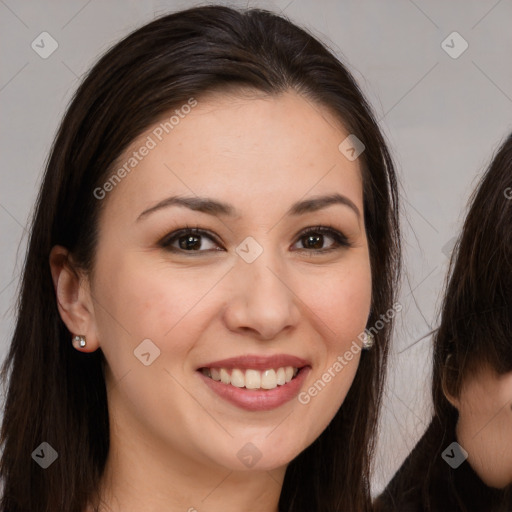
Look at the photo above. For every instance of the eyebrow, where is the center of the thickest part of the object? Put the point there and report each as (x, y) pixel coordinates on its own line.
(218, 208)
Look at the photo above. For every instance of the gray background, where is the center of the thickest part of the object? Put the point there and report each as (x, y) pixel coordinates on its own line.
(443, 117)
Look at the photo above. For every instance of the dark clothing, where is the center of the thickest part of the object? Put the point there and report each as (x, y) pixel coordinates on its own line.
(426, 482)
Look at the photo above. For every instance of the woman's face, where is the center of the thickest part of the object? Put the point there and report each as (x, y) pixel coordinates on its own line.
(484, 427)
(245, 297)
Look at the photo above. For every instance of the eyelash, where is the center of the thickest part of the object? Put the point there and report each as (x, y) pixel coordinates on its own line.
(340, 240)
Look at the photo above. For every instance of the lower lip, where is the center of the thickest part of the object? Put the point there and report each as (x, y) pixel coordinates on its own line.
(258, 400)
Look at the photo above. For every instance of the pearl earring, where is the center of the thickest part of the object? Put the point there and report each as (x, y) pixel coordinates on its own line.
(368, 341)
(80, 339)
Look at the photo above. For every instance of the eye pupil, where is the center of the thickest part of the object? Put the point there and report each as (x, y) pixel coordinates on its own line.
(189, 242)
(317, 241)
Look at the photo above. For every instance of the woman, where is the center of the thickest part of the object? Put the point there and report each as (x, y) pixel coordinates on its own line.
(464, 460)
(217, 226)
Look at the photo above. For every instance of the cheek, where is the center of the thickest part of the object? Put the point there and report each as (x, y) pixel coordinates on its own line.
(341, 303)
(140, 299)
(342, 299)
(484, 429)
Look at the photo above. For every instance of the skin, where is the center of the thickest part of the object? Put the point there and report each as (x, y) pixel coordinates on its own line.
(484, 428)
(174, 442)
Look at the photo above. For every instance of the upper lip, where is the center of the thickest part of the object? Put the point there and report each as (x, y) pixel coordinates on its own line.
(258, 362)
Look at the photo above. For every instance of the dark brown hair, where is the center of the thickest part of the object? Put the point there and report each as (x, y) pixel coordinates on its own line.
(56, 393)
(474, 333)
(476, 314)
(476, 319)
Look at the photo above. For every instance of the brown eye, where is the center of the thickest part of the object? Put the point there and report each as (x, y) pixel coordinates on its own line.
(313, 241)
(314, 238)
(188, 240)
(193, 240)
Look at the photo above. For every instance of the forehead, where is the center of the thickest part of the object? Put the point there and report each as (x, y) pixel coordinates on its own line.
(242, 148)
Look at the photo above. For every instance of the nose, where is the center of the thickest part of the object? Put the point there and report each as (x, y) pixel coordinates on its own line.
(263, 301)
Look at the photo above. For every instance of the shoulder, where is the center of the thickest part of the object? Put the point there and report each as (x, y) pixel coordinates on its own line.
(427, 483)
(422, 483)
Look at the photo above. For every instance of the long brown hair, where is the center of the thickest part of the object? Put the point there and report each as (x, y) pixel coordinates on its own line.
(57, 394)
(474, 332)
(476, 315)
(476, 319)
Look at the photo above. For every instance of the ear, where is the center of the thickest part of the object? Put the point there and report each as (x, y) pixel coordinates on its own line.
(74, 300)
(451, 398)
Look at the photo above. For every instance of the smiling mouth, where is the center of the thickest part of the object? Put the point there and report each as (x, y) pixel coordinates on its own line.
(252, 379)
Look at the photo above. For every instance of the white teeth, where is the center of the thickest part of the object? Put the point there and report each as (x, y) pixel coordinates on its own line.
(268, 379)
(253, 379)
(237, 378)
(224, 376)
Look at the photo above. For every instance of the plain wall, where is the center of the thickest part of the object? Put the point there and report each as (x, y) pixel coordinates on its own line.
(443, 117)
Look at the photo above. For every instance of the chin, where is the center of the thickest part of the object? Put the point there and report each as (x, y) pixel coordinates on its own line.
(497, 480)
(253, 456)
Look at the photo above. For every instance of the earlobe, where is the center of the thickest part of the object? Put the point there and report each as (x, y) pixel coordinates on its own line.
(73, 299)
